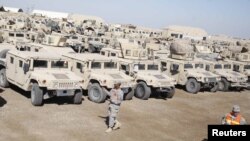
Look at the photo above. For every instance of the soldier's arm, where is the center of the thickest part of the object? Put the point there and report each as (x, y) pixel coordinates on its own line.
(243, 121)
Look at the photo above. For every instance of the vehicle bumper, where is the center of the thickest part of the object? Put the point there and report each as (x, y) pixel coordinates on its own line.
(165, 89)
(240, 84)
(62, 92)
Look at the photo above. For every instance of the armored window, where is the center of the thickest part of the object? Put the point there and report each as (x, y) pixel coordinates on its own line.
(164, 64)
(36, 50)
(188, 66)
(11, 60)
(125, 67)
(59, 64)
(247, 67)
(110, 65)
(74, 37)
(217, 66)
(28, 48)
(153, 67)
(227, 66)
(199, 66)
(207, 67)
(102, 53)
(96, 65)
(113, 54)
(78, 65)
(20, 63)
(236, 67)
(11, 34)
(140, 66)
(19, 35)
(40, 64)
(128, 52)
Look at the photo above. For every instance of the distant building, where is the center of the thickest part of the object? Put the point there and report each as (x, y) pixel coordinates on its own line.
(184, 32)
(50, 14)
(85, 19)
(10, 9)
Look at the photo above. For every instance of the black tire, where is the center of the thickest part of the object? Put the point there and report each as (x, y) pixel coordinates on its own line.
(171, 93)
(193, 86)
(96, 93)
(36, 95)
(77, 98)
(142, 91)
(3, 79)
(129, 95)
(224, 85)
(215, 88)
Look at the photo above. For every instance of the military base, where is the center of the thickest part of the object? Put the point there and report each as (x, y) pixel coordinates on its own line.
(56, 70)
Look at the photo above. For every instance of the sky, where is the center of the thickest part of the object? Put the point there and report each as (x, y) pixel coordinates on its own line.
(227, 17)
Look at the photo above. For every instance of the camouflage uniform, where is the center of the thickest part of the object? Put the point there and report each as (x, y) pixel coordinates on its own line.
(116, 97)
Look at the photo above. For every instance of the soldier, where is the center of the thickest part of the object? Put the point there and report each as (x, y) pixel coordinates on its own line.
(234, 117)
(116, 97)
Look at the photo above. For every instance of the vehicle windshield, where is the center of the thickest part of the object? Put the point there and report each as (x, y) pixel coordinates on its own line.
(188, 66)
(227, 66)
(59, 64)
(96, 65)
(74, 37)
(140, 66)
(110, 65)
(40, 64)
(19, 35)
(247, 67)
(201, 66)
(217, 66)
(153, 67)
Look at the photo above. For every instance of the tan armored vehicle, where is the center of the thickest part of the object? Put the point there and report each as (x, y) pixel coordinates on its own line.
(93, 44)
(188, 72)
(16, 37)
(147, 73)
(229, 78)
(100, 73)
(75, 42)
(44, 74)
(241, 64)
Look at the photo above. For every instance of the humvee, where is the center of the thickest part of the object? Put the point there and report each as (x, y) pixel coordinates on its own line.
(43, 74)
(75, 42)
(93, 44)
(229, 78)
(147, 74)
(189, 72)
(16, 37)
(241, 64)
(100, 74)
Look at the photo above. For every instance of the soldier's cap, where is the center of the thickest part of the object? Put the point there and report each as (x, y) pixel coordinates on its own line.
(236, 108)
(117, 82)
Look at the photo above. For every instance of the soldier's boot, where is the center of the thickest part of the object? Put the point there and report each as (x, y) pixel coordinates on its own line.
(109, 130)
(117, 125)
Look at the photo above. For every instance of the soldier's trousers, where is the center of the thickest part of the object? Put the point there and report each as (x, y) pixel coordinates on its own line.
(113, 111)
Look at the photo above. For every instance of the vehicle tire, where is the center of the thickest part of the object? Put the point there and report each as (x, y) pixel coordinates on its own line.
(193, 86)
(215, 88)
(130, 94)
(171, 93)
(36, 95)
(3, 79)
(96, 93)
(77, 98)
(224, 85)
(142, 91)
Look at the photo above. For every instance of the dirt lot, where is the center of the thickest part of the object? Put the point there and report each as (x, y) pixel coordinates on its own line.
(183, 118)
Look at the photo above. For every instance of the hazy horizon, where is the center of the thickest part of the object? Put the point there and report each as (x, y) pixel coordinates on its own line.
(227, 17)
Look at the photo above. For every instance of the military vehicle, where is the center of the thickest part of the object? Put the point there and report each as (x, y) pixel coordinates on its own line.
(147, 73)
(100, 73)
(75, 42)
(188, 71)
(16, 37)
(241, 64)
(229, 78)
(93, 44)
(43, 74)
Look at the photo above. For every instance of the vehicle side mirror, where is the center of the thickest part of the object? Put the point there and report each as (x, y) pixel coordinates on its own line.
(26, 68)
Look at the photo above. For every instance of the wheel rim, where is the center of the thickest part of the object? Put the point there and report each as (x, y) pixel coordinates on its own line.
(1, 78)
(140, 91)
(95, 93)
(192, 85)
